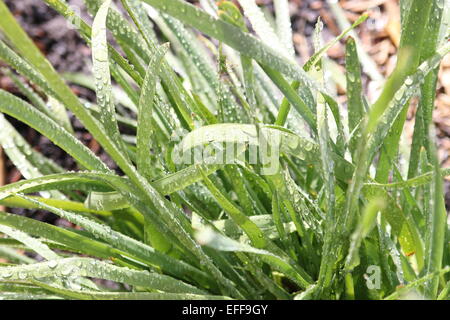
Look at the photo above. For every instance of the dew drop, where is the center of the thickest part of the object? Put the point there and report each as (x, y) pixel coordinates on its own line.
(52, 264)
(6, 274)
(351, 77)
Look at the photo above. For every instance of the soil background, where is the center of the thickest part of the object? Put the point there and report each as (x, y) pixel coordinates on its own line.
(68, 53)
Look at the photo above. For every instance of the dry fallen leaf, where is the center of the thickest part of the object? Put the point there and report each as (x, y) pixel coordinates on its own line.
(393, 26)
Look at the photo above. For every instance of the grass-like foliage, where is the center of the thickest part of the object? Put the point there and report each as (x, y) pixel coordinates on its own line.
(318, 200)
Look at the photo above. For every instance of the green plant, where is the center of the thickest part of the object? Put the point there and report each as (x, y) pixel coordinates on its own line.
(324, 206)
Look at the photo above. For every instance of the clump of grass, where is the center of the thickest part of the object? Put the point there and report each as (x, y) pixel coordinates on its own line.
(312, 204)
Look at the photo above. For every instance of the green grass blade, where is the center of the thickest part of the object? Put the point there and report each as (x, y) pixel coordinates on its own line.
(96, 295)
(133, 44)
(417, 283)
(379, 124)
(363, 228)
(65, 94)
(330, 247)
(29, 162)
(232, 36)
(262, 27)
(284, 107)
(89, 182)
(410, 183)
(22, 111)
(368, 64)
(428, 88)
(34, 98)
(402, 227)
(14, 256)
(94, 127)
(24, 68)
(292, 96)
(85, 31)
(145, 135)
(283, 20)
(102, 75)
(419, 47)
(141, 20)
(265, 222)
(89, 82)
(437, 223)
(355, 104)
(10, 138)
(240, 134)
(402, 96)
(321, 51)
(32, 243)
(87, 267)
(210, 238)
(124, 243)
(72, 240)
(251, 229)
(194, 52)
(18, 202)
(25, 45)
(63, 181)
